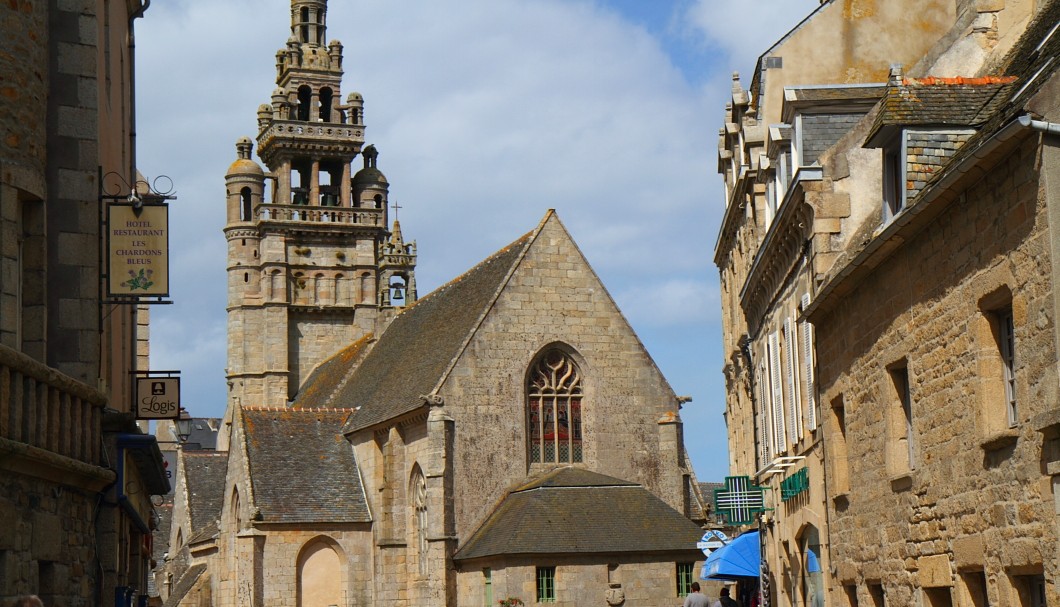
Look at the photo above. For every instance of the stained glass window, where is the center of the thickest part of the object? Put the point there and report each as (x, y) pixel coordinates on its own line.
(554, 406)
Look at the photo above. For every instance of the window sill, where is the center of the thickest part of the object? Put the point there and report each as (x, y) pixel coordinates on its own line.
(902, 481)
(999, 440)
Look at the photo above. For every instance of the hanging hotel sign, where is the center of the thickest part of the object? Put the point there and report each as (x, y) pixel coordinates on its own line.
(138, 240)
(157, 397)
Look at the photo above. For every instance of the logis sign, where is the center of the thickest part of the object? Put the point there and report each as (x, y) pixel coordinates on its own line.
(157, 397)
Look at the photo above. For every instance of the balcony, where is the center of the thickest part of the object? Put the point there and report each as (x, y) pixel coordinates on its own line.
(50, 424)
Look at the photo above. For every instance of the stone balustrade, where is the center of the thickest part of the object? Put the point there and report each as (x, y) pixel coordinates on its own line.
(316, 214)
(323, 130)
(43, 408)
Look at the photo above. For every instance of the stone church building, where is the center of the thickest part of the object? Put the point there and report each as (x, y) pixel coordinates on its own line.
(507, 435)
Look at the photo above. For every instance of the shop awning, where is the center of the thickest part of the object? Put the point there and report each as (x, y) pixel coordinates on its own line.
(740, 558)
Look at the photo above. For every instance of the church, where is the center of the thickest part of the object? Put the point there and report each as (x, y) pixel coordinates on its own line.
(506, 436)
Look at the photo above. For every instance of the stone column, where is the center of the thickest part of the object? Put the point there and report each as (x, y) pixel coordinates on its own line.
(441, 522)
(283, 183)
(314, 183)
(344, 187)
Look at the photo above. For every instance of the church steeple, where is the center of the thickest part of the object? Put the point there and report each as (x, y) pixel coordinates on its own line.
(309, 21)
(310, 258)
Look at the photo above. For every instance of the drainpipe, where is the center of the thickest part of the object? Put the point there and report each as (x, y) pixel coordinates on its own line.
(132, 89)
(1042, 126)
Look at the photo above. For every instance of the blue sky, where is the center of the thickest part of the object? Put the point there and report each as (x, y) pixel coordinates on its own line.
(486, 113)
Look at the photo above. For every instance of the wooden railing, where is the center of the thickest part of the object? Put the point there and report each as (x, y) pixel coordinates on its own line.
(43, 408)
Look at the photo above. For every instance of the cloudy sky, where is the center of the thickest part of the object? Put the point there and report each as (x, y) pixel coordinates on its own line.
(486, 113)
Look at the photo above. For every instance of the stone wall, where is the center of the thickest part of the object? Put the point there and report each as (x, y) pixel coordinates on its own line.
(47, 542)
(23, 121)
(554, 296)
(582, 581)
(905, 525)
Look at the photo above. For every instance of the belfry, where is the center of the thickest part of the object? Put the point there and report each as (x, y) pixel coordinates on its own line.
(312, 266)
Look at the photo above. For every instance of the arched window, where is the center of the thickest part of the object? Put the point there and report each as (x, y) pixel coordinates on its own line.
(418, 491)
(325, 104)
(554, 409)
(305, 98)
(244, 197)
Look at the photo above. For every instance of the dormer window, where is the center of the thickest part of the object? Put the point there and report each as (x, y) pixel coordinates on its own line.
(894, 191)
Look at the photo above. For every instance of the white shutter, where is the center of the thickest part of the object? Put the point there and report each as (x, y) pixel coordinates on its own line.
(791, 371)
(763, 416)
(809, 381)
(777, 393)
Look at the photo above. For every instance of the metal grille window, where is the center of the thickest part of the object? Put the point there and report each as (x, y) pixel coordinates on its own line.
(684, 578)
(554, 409)
(546, 584)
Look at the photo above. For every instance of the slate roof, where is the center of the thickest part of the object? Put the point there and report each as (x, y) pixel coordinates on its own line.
(939, 102)
(205, 472)
(184, 585)
(208, 532)
(330, 376)
(418, 347)
(302, 470)
(575, 511)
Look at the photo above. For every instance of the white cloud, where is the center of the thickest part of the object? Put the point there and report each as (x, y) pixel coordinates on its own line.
(673, 302)
(486, 113)
(725, 25)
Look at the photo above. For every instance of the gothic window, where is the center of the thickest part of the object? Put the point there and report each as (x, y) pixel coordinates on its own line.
(554, 403)
(419, 505)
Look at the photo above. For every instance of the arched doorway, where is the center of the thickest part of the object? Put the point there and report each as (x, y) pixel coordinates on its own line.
(320, 575)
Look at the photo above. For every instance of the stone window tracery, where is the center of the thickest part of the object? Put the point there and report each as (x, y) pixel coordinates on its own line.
(554, 404)
(419, 504)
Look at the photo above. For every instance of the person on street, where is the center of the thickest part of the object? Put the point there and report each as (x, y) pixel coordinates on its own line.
(725, 600)
(695, 599)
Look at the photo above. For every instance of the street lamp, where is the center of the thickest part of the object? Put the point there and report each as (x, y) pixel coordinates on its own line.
(183, 424)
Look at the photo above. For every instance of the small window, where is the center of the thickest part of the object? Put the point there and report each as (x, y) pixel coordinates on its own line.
(851, 592)
(1030, 589)
(974, 584)
(546, 584)
(1006, 338)
(876, 594)
(893, 181)
(685, 578)
(938, 597)
(487, 587)
(902, 451)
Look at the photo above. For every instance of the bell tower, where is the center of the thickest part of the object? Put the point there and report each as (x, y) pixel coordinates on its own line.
(312, 265)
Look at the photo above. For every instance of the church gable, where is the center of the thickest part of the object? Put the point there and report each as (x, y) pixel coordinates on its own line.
(301, 468)
(601, 402)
